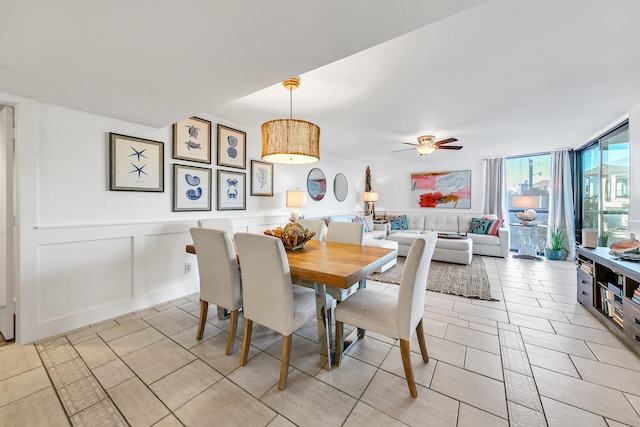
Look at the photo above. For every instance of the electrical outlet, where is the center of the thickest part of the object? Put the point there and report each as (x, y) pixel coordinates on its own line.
(187, 267)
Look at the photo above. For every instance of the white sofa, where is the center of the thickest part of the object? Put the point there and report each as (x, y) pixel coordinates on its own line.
(483, 244)
(379, 231)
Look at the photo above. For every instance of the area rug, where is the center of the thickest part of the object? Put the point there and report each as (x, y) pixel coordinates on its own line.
(469, 281)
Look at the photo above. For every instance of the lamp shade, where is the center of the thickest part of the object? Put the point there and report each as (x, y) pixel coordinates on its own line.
(295, 198)
(290, 141)
(370, 196)
(525, 202)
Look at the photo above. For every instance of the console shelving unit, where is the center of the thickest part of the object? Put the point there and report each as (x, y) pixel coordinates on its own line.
(606, 286)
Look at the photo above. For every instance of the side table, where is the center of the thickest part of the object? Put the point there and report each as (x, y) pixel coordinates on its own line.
(529, 240)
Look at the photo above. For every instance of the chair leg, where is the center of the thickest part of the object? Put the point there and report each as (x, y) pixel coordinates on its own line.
(233, 327)
(286, 358)
(423, 345)
(204, 310)
(338, 344)
(246, 341)
(408, 370)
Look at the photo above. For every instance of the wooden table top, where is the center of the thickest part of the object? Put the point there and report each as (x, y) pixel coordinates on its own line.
(334, 264)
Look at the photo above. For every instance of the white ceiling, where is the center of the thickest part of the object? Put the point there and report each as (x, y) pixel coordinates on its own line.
(504, 77)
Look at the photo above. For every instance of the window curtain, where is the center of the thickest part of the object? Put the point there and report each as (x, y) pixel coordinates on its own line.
(561, 212)
(495, 188)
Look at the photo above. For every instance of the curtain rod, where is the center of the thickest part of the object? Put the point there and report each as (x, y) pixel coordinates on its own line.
(530, 154)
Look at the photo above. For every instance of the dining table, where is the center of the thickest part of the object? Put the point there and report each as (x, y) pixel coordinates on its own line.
(334, 264)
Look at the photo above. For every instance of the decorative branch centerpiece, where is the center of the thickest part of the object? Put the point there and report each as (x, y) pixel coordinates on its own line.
(293, 235)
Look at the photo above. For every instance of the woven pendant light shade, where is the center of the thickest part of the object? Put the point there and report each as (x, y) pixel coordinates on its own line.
(290, 141)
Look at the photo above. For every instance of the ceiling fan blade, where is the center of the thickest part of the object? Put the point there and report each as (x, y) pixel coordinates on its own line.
(450, 147)
(406, 149)
(445, 141)
(412, 143)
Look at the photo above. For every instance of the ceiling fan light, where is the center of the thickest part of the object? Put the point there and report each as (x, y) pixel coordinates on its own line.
(425, 151)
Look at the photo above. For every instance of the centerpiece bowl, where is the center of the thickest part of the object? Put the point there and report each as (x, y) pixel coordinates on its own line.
(293, 235)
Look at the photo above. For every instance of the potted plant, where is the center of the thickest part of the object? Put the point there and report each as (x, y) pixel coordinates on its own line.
(603, 240)
(557, 248)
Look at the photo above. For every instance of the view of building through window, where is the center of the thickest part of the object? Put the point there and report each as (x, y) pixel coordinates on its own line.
(605, 186)
(529, 176)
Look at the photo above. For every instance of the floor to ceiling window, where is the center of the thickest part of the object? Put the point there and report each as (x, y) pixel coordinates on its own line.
(529, 176)
(604, 185)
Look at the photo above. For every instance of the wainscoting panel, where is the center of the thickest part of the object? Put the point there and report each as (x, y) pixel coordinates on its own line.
(165, 260)
(74, 277)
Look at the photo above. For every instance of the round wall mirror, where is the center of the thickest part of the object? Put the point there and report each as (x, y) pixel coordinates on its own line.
(340, 187)
(316, 184)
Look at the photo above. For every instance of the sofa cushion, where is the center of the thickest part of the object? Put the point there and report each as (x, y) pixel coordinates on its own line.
(484, 239)
(444, 223)
(415, 222)
(375, 234)
(399, 222)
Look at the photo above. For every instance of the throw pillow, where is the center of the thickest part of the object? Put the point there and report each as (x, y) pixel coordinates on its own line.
(493, 227)
(368, 220)
(362, 221)
(399, 222)
(479, 226)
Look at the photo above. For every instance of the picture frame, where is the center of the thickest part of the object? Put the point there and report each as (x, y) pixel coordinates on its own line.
(232, 190)
(136, 164)
(261, 178)
(191, 188)
(192, 140)
(232, 150)
(450, 190)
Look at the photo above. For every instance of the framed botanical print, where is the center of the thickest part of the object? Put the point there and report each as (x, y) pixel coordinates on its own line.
(191, 188)
(261, 178)
(192, 140)
(136, 164)
(231, 190)
(232, 147)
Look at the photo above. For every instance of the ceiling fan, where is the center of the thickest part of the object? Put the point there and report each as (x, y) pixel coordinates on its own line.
(426, 146)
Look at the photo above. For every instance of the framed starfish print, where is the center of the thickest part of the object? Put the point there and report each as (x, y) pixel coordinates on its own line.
(192, 140)
(136, 164)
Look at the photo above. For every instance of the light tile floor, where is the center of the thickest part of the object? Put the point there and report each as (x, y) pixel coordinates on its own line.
(534, 358)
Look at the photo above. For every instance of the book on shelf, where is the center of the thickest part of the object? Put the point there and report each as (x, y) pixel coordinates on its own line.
(619, 321)
(588, 268)
(613, 288)
(636, 299)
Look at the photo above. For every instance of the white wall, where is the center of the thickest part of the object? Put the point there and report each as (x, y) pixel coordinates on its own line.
(392, 180)
(87, 253)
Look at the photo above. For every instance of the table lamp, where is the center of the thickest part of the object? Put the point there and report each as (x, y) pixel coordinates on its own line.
(526, 203)
(295, 199)
(370, 197)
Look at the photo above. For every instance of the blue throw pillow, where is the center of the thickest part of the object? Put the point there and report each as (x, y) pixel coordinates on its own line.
(399, 222)
(479, 226)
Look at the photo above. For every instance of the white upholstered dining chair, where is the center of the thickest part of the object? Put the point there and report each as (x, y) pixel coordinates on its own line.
(224, 224)
(316, 225)
(395, 316)
(345, 232)
(270, 298)
(341, 232)
(220, 281)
